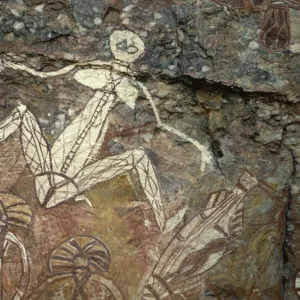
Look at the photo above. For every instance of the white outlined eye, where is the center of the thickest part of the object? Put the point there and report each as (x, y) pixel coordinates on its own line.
(127, 46)
(132, 49)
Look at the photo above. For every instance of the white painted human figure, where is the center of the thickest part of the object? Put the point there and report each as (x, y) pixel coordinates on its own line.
(67, 170)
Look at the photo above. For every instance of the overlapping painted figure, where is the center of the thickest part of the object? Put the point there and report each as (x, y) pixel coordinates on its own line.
(67, 169)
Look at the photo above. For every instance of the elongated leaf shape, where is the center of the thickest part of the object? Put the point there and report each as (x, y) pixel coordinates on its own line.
(35, 147)
(11, 123)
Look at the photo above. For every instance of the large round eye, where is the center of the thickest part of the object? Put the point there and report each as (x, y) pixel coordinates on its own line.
(132, 49)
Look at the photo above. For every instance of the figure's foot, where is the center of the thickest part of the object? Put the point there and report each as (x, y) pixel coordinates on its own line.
(84, 198)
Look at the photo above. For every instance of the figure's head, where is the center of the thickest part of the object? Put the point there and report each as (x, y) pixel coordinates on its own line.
(126, 45)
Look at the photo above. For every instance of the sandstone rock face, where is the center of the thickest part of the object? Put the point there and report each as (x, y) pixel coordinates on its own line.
(149, 149)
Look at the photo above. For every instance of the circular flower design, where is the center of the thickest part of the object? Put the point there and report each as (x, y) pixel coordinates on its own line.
(14, 211)
(82, 253)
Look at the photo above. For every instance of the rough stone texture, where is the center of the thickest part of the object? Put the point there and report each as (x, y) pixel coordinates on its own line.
(209, 78)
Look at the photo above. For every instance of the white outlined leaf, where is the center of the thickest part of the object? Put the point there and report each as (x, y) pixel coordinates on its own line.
(11, 123)
(34, 145)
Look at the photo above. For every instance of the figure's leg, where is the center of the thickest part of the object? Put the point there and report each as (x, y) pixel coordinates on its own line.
(35, 148)
(34, 144)
(113, 166)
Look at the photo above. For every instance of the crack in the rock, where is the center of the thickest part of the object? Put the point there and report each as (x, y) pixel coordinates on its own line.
(285, 245)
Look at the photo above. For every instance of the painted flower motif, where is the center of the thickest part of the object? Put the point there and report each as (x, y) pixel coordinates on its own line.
(81, 257)
(14, 211)
(82, 253)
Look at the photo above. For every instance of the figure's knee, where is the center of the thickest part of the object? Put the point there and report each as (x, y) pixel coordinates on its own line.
(139, 154)
(21, 108)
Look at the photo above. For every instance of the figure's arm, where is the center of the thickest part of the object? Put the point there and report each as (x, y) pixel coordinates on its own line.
(8, 64)
(206, 157)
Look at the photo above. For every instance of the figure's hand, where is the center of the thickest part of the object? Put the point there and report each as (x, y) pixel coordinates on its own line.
(206, 160)
(206, 156)
(3, 64)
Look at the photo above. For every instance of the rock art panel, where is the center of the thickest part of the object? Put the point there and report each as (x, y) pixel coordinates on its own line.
(134, 164)
(65, 171)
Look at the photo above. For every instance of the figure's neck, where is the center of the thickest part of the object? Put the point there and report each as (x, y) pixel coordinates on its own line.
(122, 67)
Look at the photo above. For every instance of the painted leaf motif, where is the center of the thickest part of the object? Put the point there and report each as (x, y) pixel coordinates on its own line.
(35, 147)
(275, 32)
(75, 147)
(156, 289)
(12, 163)
(53, 189)
(104, 169)
(10, 124)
